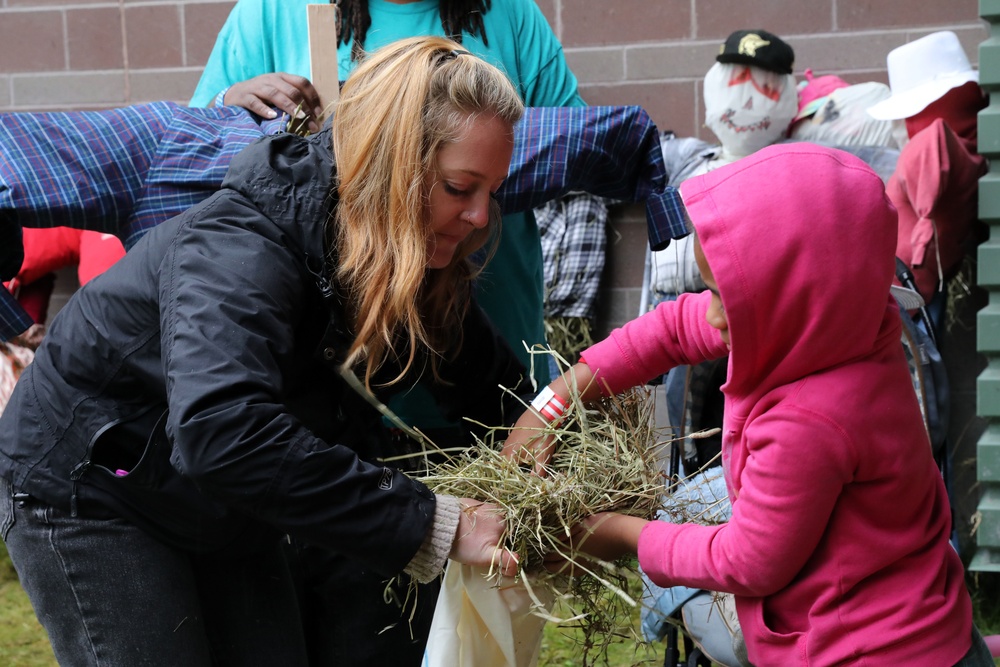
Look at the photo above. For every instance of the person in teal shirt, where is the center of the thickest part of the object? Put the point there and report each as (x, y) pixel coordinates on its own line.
(264, 37)
(261, 61)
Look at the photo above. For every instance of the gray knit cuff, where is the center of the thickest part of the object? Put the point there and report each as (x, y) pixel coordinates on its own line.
(430, 558)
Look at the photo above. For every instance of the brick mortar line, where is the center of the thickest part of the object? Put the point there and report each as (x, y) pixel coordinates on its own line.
(102, 4)
(102, 72)
(703, 42)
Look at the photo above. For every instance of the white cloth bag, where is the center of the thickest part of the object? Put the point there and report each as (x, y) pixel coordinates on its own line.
(478, 624)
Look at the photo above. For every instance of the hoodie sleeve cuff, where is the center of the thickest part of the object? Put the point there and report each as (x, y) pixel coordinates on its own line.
(430, 558)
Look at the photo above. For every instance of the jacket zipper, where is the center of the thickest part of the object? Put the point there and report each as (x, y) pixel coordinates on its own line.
(81, 468)
(78, 471)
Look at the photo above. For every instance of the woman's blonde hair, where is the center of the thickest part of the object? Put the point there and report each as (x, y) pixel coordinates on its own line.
(394, 113)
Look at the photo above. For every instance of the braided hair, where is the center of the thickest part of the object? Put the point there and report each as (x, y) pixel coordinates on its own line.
(457, 16)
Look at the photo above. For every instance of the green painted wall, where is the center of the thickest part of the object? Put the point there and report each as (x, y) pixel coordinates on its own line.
(987, 554)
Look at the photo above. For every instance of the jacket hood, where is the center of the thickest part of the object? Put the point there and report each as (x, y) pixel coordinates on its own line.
(288, 179)
(801, 241)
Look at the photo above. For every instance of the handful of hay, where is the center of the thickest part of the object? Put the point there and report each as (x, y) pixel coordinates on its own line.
(604, 461)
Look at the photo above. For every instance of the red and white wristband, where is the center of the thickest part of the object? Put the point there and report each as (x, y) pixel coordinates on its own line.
(549, 405)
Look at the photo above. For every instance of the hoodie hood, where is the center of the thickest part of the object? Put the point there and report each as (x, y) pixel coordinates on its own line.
(801, 241)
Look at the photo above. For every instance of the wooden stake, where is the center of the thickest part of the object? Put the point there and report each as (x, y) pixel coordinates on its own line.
(322, 21)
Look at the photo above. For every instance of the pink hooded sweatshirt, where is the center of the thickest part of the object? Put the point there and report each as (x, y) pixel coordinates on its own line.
(837, 550)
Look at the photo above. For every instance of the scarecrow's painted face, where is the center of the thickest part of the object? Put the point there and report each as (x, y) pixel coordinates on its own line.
(747, 107)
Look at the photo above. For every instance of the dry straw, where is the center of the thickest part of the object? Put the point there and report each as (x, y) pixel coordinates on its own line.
(604, 461)
(298, 122)
(607, 459)
(568, 336)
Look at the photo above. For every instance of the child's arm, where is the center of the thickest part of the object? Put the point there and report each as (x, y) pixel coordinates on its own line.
(674, 333)
(609, 536)
(548, 406)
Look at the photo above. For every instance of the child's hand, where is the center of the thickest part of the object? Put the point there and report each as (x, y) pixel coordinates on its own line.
(525, 444)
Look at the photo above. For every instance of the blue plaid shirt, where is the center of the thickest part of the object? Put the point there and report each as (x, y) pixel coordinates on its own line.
(126, 170)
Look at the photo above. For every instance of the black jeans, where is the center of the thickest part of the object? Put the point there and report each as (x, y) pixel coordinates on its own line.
(354, 616)
(110, 595)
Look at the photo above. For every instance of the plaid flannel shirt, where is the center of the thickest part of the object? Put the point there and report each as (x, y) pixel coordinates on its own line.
(574, 235)
(125, 170)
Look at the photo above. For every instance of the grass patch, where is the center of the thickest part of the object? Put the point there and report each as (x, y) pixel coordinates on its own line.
(985, 590)
(568, 645)
(23, 642)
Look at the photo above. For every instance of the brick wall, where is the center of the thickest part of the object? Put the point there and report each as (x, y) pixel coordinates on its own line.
(95, 54)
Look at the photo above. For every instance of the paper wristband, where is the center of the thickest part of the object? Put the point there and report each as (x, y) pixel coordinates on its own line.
(549, 405)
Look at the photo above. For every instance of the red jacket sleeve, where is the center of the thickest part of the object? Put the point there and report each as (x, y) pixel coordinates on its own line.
(97, 253)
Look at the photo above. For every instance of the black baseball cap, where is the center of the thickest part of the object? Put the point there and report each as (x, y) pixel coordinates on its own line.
(757, 47)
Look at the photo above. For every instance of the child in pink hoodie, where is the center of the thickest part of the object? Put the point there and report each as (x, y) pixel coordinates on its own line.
(837, 551)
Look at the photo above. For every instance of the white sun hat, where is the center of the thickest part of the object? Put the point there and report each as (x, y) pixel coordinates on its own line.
(921, 72)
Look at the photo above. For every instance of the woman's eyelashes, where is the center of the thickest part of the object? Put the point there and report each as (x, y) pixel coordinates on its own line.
(464, 191)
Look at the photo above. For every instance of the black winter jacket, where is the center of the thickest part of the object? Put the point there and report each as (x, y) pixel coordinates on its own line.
(192, 387)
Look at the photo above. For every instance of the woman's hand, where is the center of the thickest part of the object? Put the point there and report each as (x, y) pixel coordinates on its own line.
(477, 540)
(288, 92)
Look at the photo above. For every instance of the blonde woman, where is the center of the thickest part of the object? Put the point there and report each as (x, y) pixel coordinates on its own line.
(186, 410)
